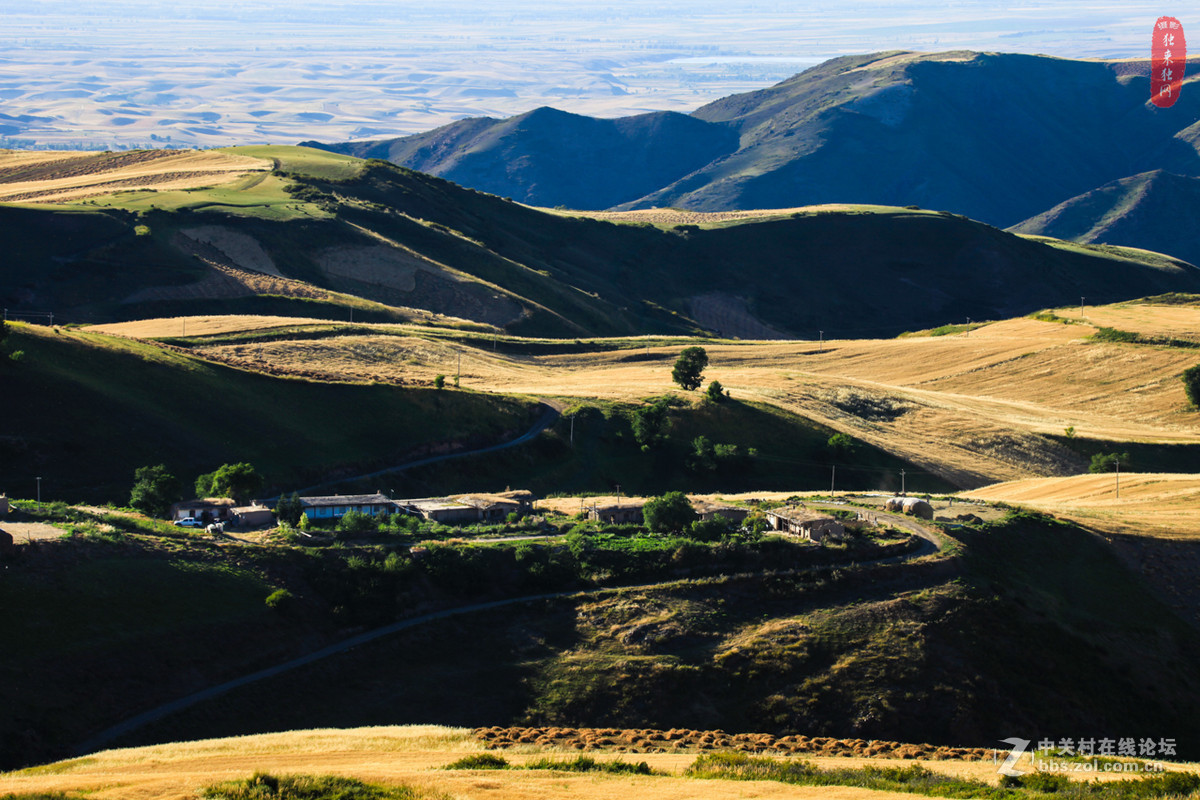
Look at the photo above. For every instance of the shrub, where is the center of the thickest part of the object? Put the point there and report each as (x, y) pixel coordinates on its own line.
(715, 392)
(280, 600)
(356, 522)
(1191, 384)
(289, 510)
(480, 761)
(650, 424)
(439, 382)
(670, 513)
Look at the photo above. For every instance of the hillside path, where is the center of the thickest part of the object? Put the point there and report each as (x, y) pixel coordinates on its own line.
(931, 543)
(550, 412)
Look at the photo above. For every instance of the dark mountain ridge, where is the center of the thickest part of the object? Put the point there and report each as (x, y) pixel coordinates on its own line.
(997, 137)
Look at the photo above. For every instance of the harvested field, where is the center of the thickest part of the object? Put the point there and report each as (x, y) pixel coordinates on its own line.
(683, 739)
(973, 408)
(60, 177)
(1160, 505)
(200, 326)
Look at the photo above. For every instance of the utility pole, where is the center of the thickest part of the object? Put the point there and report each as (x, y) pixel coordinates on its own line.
(1118, 477)
(458, 369)
(1081, 308)
(822, 347)
(618, 495)
(572, 430)
(832, 476)
(968, 332)
(39, 491)
(903, 492)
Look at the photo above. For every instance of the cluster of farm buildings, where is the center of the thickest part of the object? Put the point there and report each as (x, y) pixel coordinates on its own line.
(465, 509)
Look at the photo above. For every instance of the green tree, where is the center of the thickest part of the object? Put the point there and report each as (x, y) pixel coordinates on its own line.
(289, 509)
(841, 444)
(689, 367)
(356, 522)
(650, 424)
(154, 490)
(1110, 462)
(715, 392)
(439, 381)
(1191, 384)
(239, 481)
(671, 513)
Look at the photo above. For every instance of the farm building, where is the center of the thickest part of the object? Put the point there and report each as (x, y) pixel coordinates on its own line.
(440, 509)
(619, 513)
(338, 505)
(253, 516)
(209, 509)
(914, 506)
(804, 523)
(493, 507)
(709, 510)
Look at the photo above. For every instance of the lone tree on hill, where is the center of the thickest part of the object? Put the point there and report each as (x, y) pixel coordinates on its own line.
(238, 481)
(670, 513)
(154, 490)
(1191, 384)
(689, 367)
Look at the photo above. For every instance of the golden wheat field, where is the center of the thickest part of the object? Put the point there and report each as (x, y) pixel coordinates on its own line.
(1160, 505)
(58, 176)
(974, 408)
(416, 756)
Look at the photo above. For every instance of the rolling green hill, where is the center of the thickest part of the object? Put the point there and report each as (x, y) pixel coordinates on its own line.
(83, 411)
(327, 236)
(998, 137)
(1153, 210)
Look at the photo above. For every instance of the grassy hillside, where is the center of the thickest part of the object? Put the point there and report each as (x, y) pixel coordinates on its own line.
(85, 410)
(1010, 635)
(325, 235)
(1146, 211)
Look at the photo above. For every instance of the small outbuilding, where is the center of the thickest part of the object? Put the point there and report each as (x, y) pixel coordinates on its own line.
(795, 521)
(622, 512)
(440, 509)
(253, 516)
(708, 510)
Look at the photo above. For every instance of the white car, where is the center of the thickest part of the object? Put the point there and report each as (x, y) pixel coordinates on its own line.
(189, 522)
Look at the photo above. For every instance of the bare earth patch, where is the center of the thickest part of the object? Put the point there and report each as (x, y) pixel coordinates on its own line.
(26, 532)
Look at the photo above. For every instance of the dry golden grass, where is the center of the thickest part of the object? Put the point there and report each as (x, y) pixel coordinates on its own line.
(57, 177)
(1179, 322)
(1159, 505)
(667, 217)
(414, 756)
(200, 326)
(973, 408)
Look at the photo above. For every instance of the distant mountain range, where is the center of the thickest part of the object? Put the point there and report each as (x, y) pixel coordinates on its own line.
(1000, 138)
(1154, 210)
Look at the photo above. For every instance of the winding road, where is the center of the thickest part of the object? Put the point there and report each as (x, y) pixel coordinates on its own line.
(931, 543)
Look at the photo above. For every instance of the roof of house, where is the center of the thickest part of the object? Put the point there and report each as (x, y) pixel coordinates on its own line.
(799, 515)
(708, 506)
(207, 501)
(427, 504)
(376, 499)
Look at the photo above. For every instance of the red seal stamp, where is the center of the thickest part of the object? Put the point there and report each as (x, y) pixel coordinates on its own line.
(1168, 59)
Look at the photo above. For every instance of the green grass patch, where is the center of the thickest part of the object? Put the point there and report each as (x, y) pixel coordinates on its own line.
(480, 761)
(589, 764)
(264, 786)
